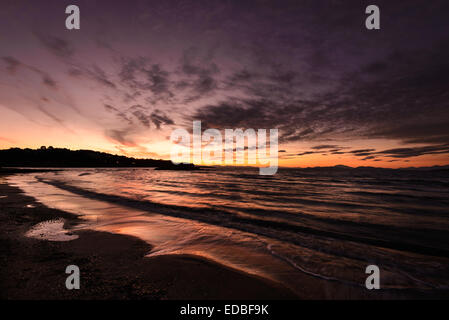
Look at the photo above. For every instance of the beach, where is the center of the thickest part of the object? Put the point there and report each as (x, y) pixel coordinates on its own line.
(222, 233)
(112, 266)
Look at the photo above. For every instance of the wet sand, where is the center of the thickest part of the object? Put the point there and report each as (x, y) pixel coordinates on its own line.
(112, 266)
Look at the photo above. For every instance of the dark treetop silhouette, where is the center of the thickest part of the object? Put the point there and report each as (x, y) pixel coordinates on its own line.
(64, 158)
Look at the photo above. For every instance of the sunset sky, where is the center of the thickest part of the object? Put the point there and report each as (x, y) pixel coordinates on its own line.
(136, 70)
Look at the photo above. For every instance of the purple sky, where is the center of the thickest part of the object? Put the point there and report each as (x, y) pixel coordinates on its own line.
(139, 69)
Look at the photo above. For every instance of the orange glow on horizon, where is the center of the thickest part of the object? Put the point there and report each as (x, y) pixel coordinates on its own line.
(299, 162)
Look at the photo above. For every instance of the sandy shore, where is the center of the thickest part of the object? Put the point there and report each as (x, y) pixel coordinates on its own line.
(112, 266)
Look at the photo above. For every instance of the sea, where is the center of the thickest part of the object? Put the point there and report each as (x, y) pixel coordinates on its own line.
(313, 230)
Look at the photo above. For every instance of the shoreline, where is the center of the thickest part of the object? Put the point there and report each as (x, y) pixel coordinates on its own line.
(112, 266)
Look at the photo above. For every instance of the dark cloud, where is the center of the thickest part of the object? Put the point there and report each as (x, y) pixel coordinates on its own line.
(408, 102)
(11, 64)
(75, 72)
(204, 84)
(388, 85)
(54, 117)
(96, 73)
(118, 113)
(197, 73)
(324, 146)
(143, 115)
(241, 76)
(158, 117)
(48, 81)
(362, 151)
(414, 152)
(51, 115)
(140, 74)
(193, 64)
(121, 136)
(57, 46)
(306, 153)
(409, 152)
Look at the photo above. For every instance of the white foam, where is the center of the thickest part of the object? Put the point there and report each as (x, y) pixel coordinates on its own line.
(51, 230)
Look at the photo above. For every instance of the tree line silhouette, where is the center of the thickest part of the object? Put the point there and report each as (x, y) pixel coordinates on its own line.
(64, 158)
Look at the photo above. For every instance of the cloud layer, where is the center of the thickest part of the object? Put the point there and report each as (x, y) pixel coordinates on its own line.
(309, 69)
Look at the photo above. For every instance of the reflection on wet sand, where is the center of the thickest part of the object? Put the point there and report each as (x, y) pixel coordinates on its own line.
(321, 264)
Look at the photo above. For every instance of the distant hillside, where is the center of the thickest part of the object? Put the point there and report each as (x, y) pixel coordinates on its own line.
(361, 168)
(64, 158)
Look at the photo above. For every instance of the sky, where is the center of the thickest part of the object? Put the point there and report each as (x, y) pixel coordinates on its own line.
(137, 70)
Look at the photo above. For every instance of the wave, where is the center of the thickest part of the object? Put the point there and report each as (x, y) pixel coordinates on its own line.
(271, 228)
(309, 228)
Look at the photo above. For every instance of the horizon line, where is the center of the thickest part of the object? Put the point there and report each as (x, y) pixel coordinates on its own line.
(235, 165)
